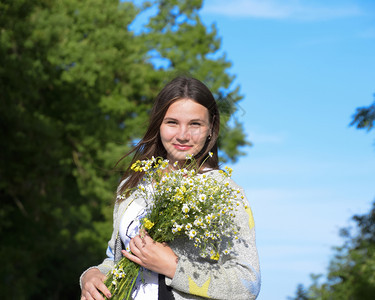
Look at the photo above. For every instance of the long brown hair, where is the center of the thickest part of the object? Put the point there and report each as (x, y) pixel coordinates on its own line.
(151, 145)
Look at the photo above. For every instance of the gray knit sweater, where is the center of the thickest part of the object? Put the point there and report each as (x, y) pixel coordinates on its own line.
(233, 276)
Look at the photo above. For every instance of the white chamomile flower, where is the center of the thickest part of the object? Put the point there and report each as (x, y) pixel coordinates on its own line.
(198, 222)
(176, 228)
(210, 154)
(202, 197)
(192, 234)
(185, 208)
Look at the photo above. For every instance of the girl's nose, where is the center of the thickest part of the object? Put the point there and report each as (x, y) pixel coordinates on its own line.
(183, 133)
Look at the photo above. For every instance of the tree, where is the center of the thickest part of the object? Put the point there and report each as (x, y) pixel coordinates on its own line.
(351, 271)
(301, 293)
(364, 117)
(76, 86)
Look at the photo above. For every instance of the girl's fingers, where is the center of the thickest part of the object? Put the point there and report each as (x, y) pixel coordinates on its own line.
(103, 288)
(93, 285)
(94, 294)
(133, 258)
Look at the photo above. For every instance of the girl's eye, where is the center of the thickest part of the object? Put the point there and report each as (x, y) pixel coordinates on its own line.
(196, 124)
(171, 122)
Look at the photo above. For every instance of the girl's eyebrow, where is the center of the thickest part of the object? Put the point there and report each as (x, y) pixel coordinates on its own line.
(192, 120)
(169, 119)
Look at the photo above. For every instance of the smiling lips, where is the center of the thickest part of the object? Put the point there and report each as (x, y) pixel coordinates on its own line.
(182, 147)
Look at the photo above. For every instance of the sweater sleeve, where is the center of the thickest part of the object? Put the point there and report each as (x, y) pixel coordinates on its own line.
(233, 276)
(108, 263)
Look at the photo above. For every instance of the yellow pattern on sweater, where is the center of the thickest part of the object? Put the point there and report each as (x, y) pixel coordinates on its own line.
(197, 290)
(251, 219)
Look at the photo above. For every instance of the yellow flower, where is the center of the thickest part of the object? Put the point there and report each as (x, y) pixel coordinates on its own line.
(148, 224)
(215, 257)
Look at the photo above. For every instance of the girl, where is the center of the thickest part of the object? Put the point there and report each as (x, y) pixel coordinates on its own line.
(184, 121)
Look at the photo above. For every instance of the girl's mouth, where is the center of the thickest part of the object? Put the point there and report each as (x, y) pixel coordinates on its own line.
(182, 147)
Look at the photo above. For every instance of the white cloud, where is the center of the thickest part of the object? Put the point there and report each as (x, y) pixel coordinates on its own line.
(276, 9)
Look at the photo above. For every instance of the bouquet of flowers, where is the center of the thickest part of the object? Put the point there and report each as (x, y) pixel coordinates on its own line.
(185, 203)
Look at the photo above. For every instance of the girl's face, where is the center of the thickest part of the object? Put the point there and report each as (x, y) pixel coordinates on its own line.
(184, 129)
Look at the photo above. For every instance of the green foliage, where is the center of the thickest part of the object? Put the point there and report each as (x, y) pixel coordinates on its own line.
(301, 293)
(76, 86)
(364, 117)
(351, 273)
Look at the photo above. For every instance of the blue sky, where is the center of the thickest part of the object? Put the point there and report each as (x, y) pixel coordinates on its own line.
(303, 68)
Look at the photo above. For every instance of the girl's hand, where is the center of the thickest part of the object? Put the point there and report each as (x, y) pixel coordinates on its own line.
(154, 256)
(92, 283)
